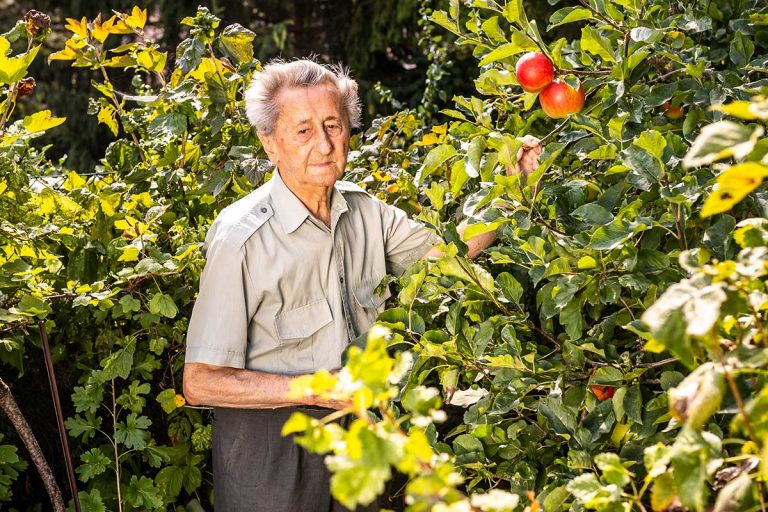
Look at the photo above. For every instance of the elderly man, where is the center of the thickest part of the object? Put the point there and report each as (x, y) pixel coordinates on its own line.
(290, 279)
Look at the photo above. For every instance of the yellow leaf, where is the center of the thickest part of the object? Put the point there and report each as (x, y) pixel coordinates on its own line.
(80, 28)
(69, 52)
(13, 69)
(107, 116)
(152, 59)
(3, 187)
(41, 121)
(137, 19)
(207, 65)
(129, 254)
(428, 140)
(586, 262)
(74, 181)
(120, 61)
(179, 400)
(189, 250)
(100, 30)
(109, 203)
(732, 186)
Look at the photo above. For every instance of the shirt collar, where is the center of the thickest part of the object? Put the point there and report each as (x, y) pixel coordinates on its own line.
(291, 212)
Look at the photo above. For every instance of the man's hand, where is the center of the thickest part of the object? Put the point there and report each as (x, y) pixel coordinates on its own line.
(527, 156)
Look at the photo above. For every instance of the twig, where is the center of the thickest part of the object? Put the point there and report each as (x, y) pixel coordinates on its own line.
(11, 409)
(657, 364)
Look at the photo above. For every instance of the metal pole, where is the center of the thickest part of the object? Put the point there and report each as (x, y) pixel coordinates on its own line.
(59, 415)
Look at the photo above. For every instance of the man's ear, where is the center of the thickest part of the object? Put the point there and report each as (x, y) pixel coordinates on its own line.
(268, 143)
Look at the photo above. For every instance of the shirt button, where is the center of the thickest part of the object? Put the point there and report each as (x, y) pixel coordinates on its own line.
(263, 210)
(341, 279)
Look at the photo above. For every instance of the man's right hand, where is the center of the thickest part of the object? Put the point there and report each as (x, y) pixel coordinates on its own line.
(527, 156)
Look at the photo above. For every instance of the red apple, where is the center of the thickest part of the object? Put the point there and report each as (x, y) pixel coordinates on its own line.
(672, 112)
(602, 392)
(560, 99)
(534, 71)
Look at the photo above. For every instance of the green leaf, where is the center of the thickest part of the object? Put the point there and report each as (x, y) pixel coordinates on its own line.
(570, 317)
(568, 15)
(741, 49)
(130, 304)
(167, 400)
(237, 41)
(467, 443)
(593, 214)
(169, 480)
(441, 18)
(722, 139)
(690, 474)
(664, 492)
(142, 493)
(698, 396)
(594, 43)
(633, 404)
(168, 126)
(519, 44)
(13, 69)
(88, 397)
(89, 501)
(613, 470)
(474, 155)
(561, 418)
(31, 305)
(592, 494)
(133, 432)
(611, 236)
(94, 464)
(434, 159)
(509, 286)
(189, 53)
(118, 364)
(162, 304)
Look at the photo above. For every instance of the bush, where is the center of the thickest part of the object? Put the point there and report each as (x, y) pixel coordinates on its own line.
(608, 352)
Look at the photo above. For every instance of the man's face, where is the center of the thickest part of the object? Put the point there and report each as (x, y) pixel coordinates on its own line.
(310, 140)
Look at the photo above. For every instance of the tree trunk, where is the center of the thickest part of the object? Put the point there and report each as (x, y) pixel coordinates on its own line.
(8, 404)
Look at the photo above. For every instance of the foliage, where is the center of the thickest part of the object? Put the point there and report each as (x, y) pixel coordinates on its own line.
(632, 261)
(109, 262)
(627, 242)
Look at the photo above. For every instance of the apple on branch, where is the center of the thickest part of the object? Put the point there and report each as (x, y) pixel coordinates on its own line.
(534, 71)
(559, 99)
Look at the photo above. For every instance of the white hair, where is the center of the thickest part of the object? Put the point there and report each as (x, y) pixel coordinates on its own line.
(261, 106)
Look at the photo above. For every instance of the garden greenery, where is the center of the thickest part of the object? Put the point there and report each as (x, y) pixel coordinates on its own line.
(608, 352)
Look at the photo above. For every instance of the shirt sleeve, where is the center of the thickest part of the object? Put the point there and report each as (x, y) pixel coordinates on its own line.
(406, 240)
(218, 327)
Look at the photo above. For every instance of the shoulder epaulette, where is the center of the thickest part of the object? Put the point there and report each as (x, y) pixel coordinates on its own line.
(348, 186)
(238, 221)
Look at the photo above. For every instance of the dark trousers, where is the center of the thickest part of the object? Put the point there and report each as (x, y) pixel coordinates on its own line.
(256, 469)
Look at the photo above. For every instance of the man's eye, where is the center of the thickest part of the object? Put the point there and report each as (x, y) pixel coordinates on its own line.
(304, 131)
(333, 128)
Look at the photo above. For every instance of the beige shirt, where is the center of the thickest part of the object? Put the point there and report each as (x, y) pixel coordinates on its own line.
(283, 293)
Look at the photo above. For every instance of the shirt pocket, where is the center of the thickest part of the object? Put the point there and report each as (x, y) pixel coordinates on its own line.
(302, 322)
(366, 296)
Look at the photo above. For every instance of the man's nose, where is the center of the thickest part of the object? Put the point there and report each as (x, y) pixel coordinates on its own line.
(324, 143)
